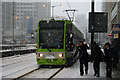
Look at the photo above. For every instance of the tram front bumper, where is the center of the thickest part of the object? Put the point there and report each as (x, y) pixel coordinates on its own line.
(44, 61)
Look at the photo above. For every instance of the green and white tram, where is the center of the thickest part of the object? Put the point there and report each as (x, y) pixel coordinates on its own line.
(56, 42)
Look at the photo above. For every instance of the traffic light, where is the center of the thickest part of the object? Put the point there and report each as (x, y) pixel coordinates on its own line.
(32, 35)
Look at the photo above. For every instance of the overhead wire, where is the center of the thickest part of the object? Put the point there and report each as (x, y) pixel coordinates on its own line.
(68, 4)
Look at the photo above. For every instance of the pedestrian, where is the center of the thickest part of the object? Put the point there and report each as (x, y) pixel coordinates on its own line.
(97, 56)
(115, 58)
(115, 47)
(108, 59)
(83, 58)
(85, 43)
(87, 47)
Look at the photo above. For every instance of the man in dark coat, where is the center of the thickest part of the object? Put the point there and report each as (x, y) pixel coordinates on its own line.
(83, 58)
(116, 48)
(115, 57)
(97, 56)
(108, 59)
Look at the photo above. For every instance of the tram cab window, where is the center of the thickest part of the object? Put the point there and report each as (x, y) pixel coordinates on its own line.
(51, 35)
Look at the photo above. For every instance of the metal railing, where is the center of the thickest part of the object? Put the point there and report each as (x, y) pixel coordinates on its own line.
(7, 53)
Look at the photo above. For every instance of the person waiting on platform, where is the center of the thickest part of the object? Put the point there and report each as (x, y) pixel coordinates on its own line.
(108, 59)
(83, 58)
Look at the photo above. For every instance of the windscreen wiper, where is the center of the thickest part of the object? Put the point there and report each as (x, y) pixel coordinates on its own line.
(48, 49)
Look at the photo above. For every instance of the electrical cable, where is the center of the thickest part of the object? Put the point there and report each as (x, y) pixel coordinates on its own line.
(68, 4)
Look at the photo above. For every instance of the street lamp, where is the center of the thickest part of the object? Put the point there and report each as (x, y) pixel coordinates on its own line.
(27, 17)
(27, 23)
(53, 8)
(44, 5)
(16, 17)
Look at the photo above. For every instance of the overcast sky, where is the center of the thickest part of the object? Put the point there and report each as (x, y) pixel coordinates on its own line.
(82, 7)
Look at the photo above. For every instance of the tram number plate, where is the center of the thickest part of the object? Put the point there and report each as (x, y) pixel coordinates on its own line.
(50, 54)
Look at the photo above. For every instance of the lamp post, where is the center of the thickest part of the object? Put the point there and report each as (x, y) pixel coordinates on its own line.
(13, 29)
(27, 24)
(53, 11)
(92, 33)
(53, 8)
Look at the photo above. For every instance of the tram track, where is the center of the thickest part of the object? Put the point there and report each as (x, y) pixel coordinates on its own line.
(48, 78)
(55, 73)
(26, 74)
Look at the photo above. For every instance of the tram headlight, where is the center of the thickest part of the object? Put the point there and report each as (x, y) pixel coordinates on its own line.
(40, 55)
(60, 55)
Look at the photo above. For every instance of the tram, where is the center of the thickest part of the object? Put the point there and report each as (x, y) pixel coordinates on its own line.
(56, 42)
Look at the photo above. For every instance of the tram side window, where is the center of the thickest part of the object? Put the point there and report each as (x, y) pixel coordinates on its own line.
(69, 38)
